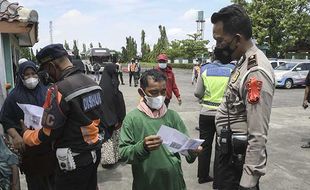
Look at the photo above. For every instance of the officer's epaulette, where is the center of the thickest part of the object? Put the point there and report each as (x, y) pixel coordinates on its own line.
(252, 62)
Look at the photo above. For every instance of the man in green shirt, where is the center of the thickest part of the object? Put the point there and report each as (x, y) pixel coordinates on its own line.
(153, 165)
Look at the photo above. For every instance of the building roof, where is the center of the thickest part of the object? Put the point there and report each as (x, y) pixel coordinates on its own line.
(14, 12)
(19, 20)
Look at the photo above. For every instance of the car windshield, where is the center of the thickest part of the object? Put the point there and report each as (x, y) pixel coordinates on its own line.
(286, 66)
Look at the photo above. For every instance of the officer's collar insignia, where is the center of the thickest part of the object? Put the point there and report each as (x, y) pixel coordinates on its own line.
(241, 60)
(235, 76)
(252, 62)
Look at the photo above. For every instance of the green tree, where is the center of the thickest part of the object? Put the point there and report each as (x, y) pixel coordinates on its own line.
(84, 48)
(25, 53)
(280, 24)
(195, 36)
(33, 58)
(162, 44)
(66, 45)
(175, 50)
(131, 48)
(145, 48)
(193, 49)
(143, 45)
(75, 48)
(124, 56)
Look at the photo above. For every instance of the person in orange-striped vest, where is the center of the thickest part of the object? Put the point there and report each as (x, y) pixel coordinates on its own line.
(196, 71)
(134, 71)
(72, 118)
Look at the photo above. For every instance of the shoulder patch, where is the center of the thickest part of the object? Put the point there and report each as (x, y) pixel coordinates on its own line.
(254, 87)
(91, 101)
(252, 62)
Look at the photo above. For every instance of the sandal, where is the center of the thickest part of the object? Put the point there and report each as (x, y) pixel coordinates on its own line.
(306, 145)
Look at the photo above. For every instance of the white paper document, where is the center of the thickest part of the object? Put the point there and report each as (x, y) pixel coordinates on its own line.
(176, 141)
(32, 115)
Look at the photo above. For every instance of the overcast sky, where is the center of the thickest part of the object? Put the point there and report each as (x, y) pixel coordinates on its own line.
(110, 21)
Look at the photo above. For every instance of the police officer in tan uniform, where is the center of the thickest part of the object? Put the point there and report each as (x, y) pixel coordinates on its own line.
(243, 116)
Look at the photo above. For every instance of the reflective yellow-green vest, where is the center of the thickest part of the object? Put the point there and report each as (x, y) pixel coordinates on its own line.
(215, 77)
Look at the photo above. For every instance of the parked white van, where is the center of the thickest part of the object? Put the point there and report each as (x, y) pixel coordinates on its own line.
(292, 73)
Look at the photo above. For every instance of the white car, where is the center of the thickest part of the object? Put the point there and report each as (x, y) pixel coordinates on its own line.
(291, 73)
(276, 63)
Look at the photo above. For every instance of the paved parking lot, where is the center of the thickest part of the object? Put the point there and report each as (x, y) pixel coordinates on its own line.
(288, 165)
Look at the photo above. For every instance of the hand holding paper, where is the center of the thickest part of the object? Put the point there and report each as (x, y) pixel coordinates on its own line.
(176, 141)
(152, 142)
(32, 115)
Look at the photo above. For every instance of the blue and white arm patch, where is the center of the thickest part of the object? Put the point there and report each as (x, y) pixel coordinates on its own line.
(91, 101)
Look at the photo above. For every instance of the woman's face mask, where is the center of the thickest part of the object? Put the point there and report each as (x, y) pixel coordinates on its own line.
(31, 83)
(30, 78)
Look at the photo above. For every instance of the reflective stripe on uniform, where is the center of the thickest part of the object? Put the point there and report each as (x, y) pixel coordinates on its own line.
(211, 103)
(80, 92)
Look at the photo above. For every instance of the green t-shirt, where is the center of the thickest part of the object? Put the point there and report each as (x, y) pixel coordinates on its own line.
(155, 170)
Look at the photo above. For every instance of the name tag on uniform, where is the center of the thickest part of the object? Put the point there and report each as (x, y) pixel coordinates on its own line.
(235, 76)
(91, 101)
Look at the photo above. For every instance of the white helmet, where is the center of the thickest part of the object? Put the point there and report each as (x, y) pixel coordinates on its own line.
(22, 60)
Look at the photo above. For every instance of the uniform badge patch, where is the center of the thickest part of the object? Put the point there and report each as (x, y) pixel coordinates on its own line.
(91, 101)
(252, 62)
(235, 76)
(254, 87)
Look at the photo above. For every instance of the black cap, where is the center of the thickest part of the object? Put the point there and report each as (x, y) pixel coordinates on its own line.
(50, 53)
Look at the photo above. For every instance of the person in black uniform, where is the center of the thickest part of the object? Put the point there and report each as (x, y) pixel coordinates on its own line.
(73, 114)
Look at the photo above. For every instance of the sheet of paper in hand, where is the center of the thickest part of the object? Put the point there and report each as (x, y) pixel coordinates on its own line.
(176, 141)
(32, 115)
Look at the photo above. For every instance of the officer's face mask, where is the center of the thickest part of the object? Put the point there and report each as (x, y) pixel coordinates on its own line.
(154, 102)
(52, 73)
(224, 54)
(31, 83)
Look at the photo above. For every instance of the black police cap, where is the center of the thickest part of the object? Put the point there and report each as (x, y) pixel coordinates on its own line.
(50, 53)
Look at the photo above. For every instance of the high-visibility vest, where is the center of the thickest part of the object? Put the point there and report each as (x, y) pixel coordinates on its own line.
(215, 77)
(132, 67)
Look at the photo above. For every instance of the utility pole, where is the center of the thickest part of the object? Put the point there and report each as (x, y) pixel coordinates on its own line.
(200, 25)
(51, 32)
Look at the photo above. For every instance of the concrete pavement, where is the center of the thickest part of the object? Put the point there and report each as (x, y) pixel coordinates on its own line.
(288, 165)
